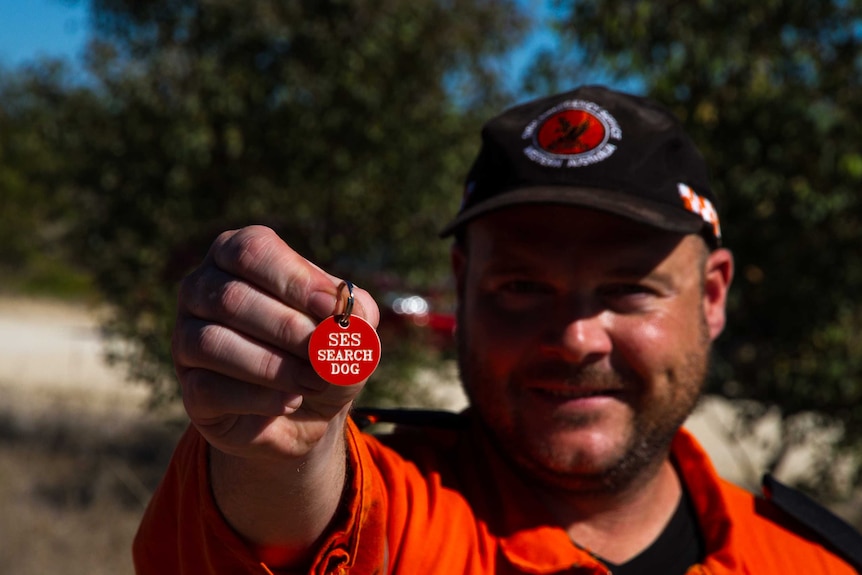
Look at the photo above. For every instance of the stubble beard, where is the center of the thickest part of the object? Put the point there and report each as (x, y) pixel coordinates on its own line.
(651, 434)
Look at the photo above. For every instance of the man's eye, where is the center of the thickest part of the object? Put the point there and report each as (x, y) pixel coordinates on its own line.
(521, 295)
(628, 298)
(524, 287)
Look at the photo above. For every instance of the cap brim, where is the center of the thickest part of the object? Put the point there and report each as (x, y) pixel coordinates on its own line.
(661, 216)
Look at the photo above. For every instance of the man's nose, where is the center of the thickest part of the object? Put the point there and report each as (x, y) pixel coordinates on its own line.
(583, 339)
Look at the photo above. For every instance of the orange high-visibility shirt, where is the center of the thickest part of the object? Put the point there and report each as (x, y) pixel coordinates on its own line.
(445, 502)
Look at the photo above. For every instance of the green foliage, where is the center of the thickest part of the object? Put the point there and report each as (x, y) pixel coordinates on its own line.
(37, 206)
(772, 93)
(346, 125)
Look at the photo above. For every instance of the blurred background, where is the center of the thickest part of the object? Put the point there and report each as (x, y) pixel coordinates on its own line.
(132, 133)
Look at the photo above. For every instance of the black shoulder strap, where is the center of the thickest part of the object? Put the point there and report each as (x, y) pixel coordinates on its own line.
(838, 534)
(365, 416)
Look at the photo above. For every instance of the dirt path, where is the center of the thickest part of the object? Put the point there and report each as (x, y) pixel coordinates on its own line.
(52, 352)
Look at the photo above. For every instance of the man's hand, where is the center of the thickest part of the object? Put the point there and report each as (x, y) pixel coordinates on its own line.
(240, 351)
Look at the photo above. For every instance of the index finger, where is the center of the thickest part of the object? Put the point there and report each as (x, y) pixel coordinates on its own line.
(259, 256)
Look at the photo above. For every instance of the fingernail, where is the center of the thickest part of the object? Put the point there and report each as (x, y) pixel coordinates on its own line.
(292, 403)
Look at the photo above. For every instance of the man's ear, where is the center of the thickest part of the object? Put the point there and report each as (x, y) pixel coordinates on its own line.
(459, 267)
(718, 274)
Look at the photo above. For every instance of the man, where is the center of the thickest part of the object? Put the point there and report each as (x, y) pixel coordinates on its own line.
(591, 282)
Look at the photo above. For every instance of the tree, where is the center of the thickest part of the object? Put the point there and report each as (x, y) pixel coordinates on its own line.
(772, 93)
(36, 201)
(344, 124)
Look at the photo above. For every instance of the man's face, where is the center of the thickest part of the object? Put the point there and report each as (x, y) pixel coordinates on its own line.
(584, 338)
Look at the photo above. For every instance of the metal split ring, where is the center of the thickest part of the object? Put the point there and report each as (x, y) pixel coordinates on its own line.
(344, 318)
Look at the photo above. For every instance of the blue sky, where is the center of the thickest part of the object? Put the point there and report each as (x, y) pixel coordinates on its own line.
(33, 28)
(30, 29)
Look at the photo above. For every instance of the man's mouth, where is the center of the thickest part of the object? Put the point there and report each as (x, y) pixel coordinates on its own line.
(574, 392)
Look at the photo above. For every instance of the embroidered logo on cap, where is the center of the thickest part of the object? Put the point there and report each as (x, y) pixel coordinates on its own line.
(701, 206)
(572, 134)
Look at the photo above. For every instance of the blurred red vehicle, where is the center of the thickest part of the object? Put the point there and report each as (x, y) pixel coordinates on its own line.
(401, 313)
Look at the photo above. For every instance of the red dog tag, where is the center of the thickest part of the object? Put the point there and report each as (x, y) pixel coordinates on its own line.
(344, 349)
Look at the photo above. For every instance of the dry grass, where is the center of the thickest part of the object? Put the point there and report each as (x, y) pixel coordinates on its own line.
(73, 487)
(79, 456)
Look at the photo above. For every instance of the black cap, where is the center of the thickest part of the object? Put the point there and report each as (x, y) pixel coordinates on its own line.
(597, 148)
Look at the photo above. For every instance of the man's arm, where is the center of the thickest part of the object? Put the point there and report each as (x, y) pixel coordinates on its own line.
(275, 429)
